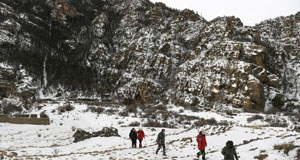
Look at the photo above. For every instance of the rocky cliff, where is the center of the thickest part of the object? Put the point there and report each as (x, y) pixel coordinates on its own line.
(134, 50)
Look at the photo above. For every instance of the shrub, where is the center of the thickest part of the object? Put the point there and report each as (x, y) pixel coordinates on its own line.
(286, 147)
(166, 115)
(65, 108)
(200, 122)
(168, 125)
(211, 121)
(255, 117)
(229, 112)
(134, 124)
(160, 107)
(128, 101)
(151, 123)
(111, 111)
(124, 113)
(261, 156)
(99, 109)
(131, 108)
(294, 117)
(195, 102)
(224, 123)
(96, 109)
(276, 122)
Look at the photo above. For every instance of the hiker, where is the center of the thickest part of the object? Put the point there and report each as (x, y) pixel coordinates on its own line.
(133, 137)
(141, 136)
(201, 140)
(161, 142)
(229, 151)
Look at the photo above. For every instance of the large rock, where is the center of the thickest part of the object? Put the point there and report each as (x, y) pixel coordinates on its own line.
(107, 132)
(81, 134)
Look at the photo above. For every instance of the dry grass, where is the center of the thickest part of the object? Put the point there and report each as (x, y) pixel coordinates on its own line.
(65, 108)
(151, 123)
(286, 147)
(261, 156)
(255, 117)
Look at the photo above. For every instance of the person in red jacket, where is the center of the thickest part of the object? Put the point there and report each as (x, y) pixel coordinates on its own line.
(201, 140)
(141, 136)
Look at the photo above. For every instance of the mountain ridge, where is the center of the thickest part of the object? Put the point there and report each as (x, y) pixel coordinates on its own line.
(149, 53)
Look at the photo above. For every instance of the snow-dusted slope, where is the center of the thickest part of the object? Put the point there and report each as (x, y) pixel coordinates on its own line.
(252, 138)
(131, 62)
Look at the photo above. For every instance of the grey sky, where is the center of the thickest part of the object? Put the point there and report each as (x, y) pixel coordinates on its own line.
(249, 11)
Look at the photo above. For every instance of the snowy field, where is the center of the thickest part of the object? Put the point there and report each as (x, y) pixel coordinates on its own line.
(56, 142)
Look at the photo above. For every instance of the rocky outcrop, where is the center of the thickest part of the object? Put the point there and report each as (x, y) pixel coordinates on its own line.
(16, 94)
(81, 134)
(134, 49)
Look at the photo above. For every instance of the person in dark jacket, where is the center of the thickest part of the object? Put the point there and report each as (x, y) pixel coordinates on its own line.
(229, 151)
(141, 136)
(201, 140)
(133, 137)
(161, 141)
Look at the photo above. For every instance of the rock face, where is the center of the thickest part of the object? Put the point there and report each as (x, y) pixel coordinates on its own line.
(134, 49)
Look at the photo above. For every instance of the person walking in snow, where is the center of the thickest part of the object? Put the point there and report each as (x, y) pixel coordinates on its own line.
(201, 140)
(229, 151)
(141, 136)
(133, 137)
(161, 141)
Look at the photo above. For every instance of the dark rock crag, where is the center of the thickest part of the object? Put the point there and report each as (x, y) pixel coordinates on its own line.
(137, 50)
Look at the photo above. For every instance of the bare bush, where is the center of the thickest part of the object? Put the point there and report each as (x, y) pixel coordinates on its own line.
(286, 147)
(151, 123)
(274, 122)
(261, 156)
(131, 108)
(229, 112)
(96, 109)
(65, 108)
(124, 113)
(211, 122)
(294, 117)
(111, 111)
(128, 101)
(134, 124)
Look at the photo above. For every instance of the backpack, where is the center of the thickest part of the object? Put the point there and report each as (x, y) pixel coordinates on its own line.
(158, 139)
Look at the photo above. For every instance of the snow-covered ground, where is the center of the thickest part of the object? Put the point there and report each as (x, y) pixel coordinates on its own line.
(56, 142)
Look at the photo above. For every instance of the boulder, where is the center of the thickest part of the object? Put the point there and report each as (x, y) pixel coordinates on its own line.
(81, 134)
(107, 132)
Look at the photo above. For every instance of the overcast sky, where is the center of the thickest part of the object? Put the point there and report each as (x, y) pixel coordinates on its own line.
(249, 11)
